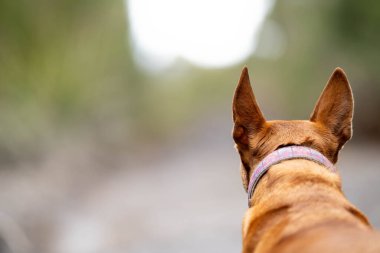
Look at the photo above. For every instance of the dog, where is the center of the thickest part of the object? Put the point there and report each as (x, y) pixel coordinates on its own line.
(295, 198)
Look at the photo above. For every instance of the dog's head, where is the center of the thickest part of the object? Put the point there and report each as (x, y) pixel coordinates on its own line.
(327, 130)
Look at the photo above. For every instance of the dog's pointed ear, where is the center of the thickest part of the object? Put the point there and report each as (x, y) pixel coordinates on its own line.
(335, 106)
(247, 115)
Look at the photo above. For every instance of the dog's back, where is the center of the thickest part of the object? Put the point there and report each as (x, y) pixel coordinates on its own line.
(302, 211)
(332, 238)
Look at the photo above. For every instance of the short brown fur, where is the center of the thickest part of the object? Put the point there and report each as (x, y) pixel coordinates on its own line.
(298, 205)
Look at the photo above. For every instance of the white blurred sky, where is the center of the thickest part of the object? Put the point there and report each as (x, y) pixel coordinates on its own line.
(207, 33)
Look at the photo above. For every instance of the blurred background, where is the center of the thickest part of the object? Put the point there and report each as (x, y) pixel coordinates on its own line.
(115, 131)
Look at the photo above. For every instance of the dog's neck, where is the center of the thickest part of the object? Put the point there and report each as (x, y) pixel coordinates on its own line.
(283, 154)
(295, 195)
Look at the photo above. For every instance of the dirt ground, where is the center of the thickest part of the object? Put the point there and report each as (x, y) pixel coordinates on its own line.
(184, 195)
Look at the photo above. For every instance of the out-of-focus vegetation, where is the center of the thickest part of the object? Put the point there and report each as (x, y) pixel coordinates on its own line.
(63, 65)
(66, 69)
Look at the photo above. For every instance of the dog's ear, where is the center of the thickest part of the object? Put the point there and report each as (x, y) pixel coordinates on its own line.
(334, 108)
(247, 116)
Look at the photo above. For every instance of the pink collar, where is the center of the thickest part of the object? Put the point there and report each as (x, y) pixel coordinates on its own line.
(282, 154)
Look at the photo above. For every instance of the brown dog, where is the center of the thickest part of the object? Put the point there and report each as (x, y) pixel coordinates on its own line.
(297, 205)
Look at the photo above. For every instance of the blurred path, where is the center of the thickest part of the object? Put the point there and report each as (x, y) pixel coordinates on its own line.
(183, 196)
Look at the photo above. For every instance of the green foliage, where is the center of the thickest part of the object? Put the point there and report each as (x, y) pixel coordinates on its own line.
(67, 67)
(61, 64)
